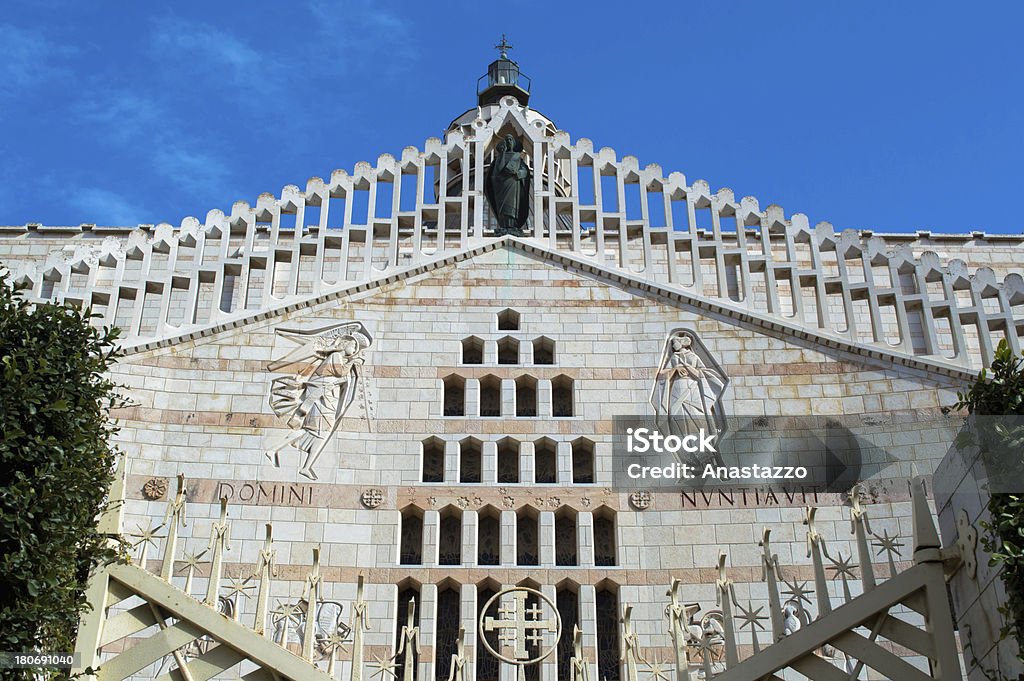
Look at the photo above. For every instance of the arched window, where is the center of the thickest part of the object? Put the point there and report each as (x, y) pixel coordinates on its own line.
(566, 545)
(408, 596)
(448, 621)
(490, 396)
(526, 396)
(508, 350)
(470, 460)
(582, 461)
(488, 537)
(486, 663)
(607, 634)
(604, 537)
(527, 533)
(433, 460)
(411, 549)
(508, 320)
(568, 603)
(562, 396)
(454, 396)
(472, 350)
(508, 460)
(543, 351)
(449, 541)
(545, 462)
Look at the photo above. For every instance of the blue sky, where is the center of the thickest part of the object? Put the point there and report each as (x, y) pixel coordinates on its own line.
(880, 115)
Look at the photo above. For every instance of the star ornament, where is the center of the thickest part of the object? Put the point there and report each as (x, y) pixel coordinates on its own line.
(384, 666)
(798, 592)
(658, 671)
(147, 535)
(193, 561)
(239, 587)
(289, 611)
(335, 641)
(842, 566)
(749, 617)
(886, 544)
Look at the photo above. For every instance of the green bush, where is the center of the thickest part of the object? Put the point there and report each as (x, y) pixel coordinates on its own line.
(57, 464)
(1000, 391)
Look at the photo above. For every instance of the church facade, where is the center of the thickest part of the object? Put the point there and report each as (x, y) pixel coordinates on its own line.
(412, 371)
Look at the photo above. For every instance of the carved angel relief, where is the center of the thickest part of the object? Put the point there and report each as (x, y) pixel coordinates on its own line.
(325, 378)
(688, 387)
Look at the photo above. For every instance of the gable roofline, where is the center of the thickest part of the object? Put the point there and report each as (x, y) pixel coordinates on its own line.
(667, 293)
(812, 278)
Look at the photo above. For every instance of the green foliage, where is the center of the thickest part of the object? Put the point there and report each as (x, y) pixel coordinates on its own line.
(1000, 391)
(57, 464)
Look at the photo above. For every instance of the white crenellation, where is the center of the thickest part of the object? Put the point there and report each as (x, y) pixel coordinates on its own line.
(162, 282)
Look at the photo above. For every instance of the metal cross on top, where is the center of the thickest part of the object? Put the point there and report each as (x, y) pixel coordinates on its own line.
(503, 46)
(519, 625)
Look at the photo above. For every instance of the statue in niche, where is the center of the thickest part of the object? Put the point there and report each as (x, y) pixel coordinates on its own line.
(508, 187)
(688, 389)
(314, 399)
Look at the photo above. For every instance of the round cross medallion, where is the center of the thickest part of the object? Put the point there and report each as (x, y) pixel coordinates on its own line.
(524, 616)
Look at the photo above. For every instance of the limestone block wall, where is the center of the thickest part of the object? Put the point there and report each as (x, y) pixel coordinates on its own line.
(976, 598)
(201, 408)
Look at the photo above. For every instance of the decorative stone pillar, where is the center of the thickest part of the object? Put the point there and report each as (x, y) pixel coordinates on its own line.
(549, 667)
(508, 538)
(428, 631)
(472, 397)
(588, 624)
(470, 531)
(526, 355)
(470, 603)
(585, 538)
(490, 352)
(564, 461)
(544, 397)
(527, 463)
(489, 464)
(431, 537)
(451, 461)
(508, 398)
(546, 538)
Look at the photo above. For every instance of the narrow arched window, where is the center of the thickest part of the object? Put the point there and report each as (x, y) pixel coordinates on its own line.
(490, 396)
(470, 460)
(472, 351)
(411, 549)
(605, 552)
(562, 400)
(508, 460)
(449, 541)
(566, 545)
(454, 396)
(545, 462)
(488, 539)
(527, 544)
(508, 350)
(582, 461)
(526, 396)
(433, 460)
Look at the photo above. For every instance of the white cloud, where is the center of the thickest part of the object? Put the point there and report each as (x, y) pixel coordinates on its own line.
(28, 58)
(195, 171)
(125, 116)
(107, 207)
(193, 47)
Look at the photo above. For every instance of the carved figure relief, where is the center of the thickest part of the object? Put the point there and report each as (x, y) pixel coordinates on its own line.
(325, 381)
(688, 388)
